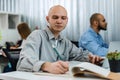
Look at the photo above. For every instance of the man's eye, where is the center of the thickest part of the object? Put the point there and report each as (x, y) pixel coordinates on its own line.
(104, 20)
(64, 18)
(55, 17)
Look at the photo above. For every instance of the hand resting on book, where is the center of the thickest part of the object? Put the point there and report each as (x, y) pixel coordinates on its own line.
(95, 59)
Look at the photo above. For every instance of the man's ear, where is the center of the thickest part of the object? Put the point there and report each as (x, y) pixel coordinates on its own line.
(95, 22)
(67, 19)
(47, 18)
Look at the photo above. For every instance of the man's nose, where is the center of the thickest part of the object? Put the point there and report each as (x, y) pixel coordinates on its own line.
(59, 20)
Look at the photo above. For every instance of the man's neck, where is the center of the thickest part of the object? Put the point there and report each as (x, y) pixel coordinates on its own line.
(95, 29)
(55, 33)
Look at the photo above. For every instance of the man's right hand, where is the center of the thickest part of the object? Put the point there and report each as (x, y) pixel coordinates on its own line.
(59, 67)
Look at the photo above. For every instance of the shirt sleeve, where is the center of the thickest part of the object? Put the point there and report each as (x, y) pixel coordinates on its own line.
(29, 60)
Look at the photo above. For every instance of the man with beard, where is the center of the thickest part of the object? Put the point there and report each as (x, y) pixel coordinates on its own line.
(91, 40)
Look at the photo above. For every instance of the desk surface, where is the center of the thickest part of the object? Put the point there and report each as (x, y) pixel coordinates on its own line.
(17, 75)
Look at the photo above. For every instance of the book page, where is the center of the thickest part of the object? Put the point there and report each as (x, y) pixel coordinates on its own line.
(93, 68)
(50, 74)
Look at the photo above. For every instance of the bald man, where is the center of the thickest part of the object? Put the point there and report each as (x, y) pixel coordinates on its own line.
(91, 40)
(46, 50)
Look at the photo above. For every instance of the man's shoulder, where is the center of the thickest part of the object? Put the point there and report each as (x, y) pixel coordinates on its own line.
(37, 31)
(87, 34)
(65, 39)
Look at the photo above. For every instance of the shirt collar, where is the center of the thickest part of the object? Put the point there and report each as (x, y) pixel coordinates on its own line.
(51, 35)
(93, 32)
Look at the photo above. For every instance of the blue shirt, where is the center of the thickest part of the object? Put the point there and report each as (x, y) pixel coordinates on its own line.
(93, 42)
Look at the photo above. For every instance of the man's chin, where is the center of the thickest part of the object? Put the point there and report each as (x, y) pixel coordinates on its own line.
(59, 30)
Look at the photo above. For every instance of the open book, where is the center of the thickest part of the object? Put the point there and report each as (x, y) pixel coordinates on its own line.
(86, 69)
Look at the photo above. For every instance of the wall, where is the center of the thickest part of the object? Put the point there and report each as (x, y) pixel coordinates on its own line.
(8, 24)
(79, 11)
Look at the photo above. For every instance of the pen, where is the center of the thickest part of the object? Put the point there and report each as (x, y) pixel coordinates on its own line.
(57, 53)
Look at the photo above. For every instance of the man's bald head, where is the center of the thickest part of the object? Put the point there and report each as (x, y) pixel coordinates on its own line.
(57, 8)
(98, 21)
(94, 17)
(57, 18)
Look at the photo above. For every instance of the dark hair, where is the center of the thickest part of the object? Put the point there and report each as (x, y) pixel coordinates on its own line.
(94, 17)
(23, 30)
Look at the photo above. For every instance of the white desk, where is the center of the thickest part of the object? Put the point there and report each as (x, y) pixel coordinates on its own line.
(17, 75)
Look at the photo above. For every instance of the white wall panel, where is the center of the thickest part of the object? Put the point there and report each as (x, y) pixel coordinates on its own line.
(79, 11)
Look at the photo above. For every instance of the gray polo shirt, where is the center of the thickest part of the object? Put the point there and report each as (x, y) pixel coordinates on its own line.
(41, 46)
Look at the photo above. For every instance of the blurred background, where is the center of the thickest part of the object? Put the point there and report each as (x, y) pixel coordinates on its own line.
(79, 11)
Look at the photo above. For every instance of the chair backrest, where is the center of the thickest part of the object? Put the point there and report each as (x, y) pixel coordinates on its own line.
(75, 42)
(13, 56)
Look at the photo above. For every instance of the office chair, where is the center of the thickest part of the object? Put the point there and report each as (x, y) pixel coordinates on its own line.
(13, 56)
(75, 42)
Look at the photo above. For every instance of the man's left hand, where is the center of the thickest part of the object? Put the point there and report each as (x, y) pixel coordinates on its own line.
(95, 59)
